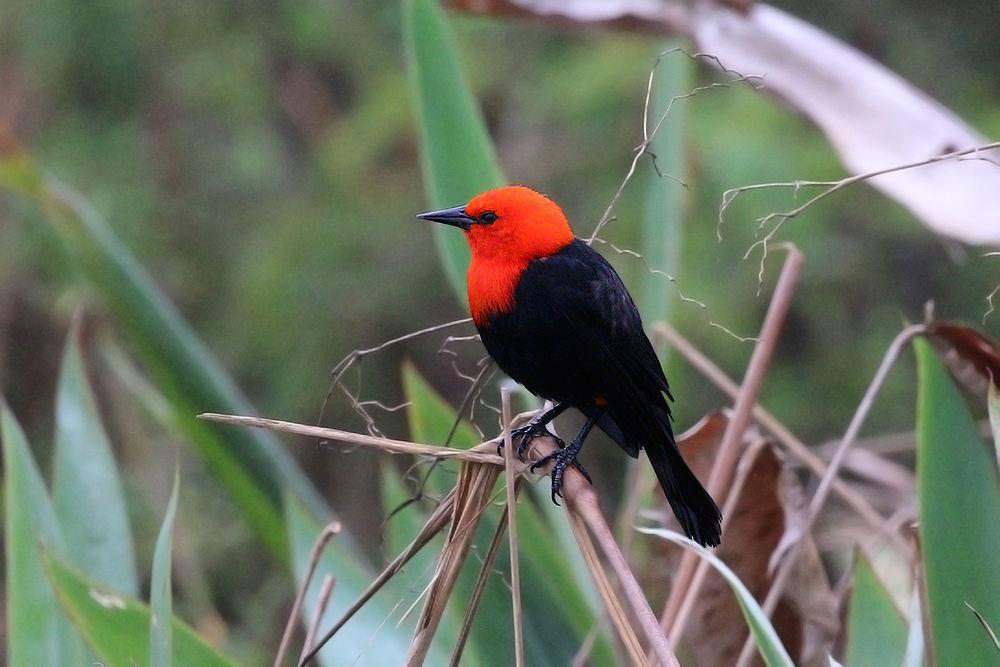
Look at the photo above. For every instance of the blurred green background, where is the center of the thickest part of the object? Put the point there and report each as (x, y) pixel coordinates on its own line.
(260, 159)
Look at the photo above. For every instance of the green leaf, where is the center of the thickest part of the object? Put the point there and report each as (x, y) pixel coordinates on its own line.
(160, 593)
(876, 629)
(38, 633)
(371, 636)
(117, 626)
(768, 643)
(250, 463)
(663, 210)
(431, 417)
(456, 152)
(959, 509)
(86, 488)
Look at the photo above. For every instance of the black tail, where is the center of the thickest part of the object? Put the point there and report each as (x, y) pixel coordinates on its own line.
(694, 508)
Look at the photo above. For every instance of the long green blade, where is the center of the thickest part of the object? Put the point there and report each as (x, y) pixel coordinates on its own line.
(117, 626)
(38, 633)
(959, 509)
(251, 464)
(663, 209)
(161, 631)
(456, 152)
(876, 629)
(86, 487)
(768, 643)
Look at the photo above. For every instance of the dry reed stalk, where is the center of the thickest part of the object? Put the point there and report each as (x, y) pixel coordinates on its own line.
(329, 530)
(784, 570)
(720, 479)
(515, 561)
(782, 434)
(472, 496)
(435, 523)
(325, 591)
(743, 470)
(465, 505)
(609, 595)
(477, 454)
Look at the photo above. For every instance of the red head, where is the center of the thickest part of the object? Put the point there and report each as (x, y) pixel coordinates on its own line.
(506, 228)
(512, 224)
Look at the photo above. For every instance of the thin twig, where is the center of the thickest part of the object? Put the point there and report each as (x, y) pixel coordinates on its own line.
(515, 561)
(435, 523)
(325, 591)
(329, 530)
(480, 587)
(784, 571)
(729, 450)
(791, 444)
(479, 454)
(779, 218)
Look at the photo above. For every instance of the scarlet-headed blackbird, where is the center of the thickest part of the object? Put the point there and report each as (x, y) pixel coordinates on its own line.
(556, 317)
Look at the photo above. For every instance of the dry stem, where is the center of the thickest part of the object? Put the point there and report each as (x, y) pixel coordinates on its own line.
(329, 530)
(823, 490)
(782, 434)
(731, 447)
(515, 561)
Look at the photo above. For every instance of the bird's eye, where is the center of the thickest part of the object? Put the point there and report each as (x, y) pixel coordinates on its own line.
(488, 217)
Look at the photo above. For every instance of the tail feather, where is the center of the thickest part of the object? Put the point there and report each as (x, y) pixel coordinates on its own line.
(694, 508)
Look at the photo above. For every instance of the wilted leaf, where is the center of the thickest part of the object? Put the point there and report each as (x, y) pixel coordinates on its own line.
(806, 617)
(959, 503)
(971, 356)
(873, 117)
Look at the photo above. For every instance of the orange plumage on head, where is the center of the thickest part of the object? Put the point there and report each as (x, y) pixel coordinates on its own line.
(527, 225)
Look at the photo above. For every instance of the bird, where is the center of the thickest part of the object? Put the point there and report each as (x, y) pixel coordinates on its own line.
(556, 317)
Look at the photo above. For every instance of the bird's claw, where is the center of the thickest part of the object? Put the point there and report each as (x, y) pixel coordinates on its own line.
(561, 459)
(525, 434)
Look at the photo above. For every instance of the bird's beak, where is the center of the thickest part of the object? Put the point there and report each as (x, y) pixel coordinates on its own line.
(455, 216)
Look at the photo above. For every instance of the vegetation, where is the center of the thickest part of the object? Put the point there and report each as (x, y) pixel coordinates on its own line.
(240, 217)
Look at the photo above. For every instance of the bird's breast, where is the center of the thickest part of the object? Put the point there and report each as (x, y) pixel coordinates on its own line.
(491, 285)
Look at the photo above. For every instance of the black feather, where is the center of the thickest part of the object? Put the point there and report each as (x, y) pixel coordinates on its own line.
(574, 335)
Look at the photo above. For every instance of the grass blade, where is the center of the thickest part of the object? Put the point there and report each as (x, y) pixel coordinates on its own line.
(959, 511)
(117, 627)
(876, 629)
(252, 465)
(370, 637)
(456, 152)
(160, 593)
(663, 210)
(768, 643)
(38, 633)
(86, 488)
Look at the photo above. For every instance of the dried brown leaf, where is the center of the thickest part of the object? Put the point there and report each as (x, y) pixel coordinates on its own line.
(971, 356)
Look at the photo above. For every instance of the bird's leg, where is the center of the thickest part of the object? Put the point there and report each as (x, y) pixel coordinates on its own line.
(533, 429)
(566, 456)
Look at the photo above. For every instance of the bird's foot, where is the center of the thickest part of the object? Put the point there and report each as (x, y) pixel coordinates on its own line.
(525, 434)
(562, 459)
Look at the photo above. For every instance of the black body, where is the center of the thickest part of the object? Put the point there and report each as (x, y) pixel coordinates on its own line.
(575, 336)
